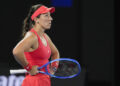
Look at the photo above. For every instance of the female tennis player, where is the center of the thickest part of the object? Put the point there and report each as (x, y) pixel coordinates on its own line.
(35, 49)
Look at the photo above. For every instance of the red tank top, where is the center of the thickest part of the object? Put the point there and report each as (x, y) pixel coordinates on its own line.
(41, 55)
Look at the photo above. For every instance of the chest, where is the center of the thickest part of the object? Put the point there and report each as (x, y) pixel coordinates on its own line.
(42, 42)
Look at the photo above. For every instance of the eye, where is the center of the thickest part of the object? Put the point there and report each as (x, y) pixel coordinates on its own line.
(46, 15)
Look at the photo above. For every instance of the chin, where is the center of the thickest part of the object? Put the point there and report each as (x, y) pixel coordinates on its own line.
(47, 28)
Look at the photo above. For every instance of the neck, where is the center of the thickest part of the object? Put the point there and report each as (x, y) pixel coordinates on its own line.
(39, 30)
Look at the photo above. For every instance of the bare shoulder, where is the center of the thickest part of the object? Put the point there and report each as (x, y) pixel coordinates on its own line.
(30, 35)
(27, 42)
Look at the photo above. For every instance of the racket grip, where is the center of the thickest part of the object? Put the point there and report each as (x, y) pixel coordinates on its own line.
(18, 71)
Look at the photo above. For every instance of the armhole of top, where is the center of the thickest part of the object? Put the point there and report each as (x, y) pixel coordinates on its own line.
(32, 30)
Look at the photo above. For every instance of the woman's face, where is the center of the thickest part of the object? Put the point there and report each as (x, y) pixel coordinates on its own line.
(45, 20)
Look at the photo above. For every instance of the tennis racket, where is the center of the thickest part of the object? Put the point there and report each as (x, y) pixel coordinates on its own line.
(62, 68)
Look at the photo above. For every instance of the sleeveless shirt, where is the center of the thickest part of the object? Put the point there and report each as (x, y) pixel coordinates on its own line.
(41, 55)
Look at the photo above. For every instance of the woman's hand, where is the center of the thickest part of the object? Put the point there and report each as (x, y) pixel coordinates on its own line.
(54, 67)
(34, 70)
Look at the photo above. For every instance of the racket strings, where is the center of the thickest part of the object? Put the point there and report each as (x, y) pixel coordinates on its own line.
(65, 68)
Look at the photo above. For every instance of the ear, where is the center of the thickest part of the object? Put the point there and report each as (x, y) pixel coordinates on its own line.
(35, 19)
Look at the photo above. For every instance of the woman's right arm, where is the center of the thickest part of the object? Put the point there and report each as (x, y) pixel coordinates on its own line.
(23, 46)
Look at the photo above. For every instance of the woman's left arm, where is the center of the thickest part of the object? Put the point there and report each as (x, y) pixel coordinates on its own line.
(54, 51)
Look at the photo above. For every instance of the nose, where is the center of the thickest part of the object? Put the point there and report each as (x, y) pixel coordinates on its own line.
(50, 18)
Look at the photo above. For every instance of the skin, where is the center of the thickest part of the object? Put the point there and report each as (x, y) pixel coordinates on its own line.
(30, 42)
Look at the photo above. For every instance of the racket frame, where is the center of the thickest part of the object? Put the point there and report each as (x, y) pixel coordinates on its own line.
(60, 59)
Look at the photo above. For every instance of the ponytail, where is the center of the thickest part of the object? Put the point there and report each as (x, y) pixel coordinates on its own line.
(28, 23)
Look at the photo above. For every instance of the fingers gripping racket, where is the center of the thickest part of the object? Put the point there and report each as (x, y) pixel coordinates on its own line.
(62, 68)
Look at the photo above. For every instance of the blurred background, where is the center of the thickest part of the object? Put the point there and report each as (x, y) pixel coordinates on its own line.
(85, 30)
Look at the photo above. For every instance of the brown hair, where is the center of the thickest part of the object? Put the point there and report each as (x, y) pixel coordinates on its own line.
(27, 23)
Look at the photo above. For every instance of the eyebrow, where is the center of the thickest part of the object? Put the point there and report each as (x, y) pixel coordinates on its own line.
(46, 13)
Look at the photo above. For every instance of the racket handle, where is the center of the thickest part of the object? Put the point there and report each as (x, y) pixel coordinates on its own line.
(18, 71)
(21, 71)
